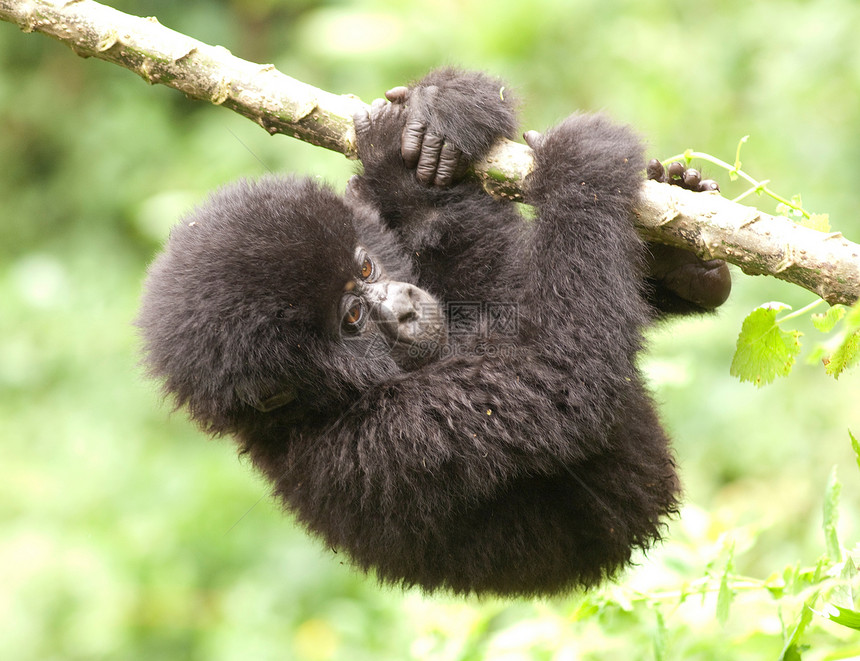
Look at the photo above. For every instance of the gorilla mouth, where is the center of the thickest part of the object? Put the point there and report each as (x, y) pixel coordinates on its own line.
(414, 352)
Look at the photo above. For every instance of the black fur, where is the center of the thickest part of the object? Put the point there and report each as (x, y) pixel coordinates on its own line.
(528, 459)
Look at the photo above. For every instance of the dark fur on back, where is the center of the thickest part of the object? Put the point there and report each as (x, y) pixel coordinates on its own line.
(526, 460)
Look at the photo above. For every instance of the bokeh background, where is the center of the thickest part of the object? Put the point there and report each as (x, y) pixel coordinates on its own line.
(127, 534)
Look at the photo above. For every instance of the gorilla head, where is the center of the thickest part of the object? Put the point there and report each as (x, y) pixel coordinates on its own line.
(279, 290)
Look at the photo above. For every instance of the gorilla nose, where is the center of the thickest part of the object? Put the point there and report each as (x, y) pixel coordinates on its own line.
(407, 316)
(404, 311)
(406, 304)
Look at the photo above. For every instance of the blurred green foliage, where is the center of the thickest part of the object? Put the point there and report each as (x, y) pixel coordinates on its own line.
(125, 534)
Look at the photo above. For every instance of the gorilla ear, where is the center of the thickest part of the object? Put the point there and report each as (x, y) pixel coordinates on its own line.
(270, 402)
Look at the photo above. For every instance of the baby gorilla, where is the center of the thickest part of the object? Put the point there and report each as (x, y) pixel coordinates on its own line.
(439, 388)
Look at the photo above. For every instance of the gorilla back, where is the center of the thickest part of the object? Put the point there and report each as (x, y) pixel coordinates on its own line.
(442, 390)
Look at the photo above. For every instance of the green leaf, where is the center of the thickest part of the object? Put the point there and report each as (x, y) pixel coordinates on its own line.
(661, 638)
(776, 583)
(725, 595)
(586, 609)
(855, 444)
(831, 517)
(724, 600)
(792, 652)
(827, 322)
(764, 351)
(819, 222)
(847, 355)
(853, 319)
(842, 594)
(792, 209)
(793, 648)
(844, 616)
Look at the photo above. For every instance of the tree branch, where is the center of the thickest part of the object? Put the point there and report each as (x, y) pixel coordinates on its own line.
(705, 223)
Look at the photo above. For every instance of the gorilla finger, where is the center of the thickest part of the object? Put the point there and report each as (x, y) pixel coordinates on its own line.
(692, 178)
(656, 171)
(676, 172)
(719, 283)
(399, 94)
(377, 105)
(533, 139)
(411, 142)
(708, 185)
(710, 284)
(449, 164)
(361, 120)
(429, 159)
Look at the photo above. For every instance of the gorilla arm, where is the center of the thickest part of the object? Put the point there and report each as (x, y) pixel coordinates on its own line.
(585, 279)
(575, 272)
(449, 225)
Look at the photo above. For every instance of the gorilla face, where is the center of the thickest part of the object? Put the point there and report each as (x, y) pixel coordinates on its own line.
(378, 320)
(399, 318)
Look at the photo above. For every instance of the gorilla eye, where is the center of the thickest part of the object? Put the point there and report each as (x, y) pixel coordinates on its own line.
(353, 316)
(368, 269)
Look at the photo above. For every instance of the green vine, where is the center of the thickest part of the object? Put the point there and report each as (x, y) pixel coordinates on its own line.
(765, 348)
(756, 187)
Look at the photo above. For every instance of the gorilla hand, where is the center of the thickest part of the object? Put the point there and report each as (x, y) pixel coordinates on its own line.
(678, 175)
(681, 281)
(437, 141)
